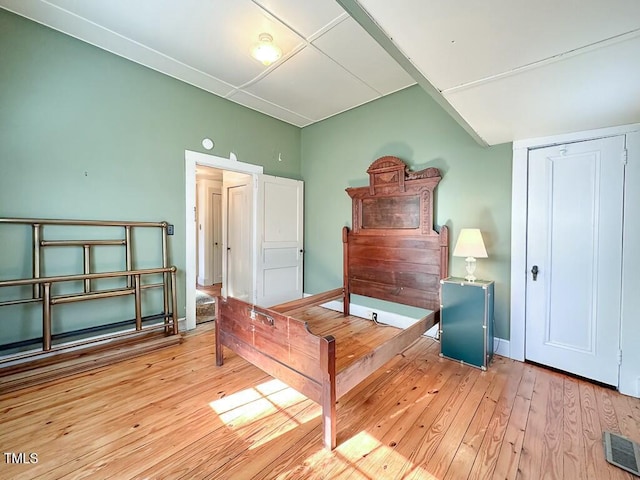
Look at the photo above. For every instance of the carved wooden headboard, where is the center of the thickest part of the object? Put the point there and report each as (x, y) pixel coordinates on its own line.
(393, 252)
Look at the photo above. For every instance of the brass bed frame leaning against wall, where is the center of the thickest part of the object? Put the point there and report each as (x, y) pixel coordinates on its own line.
(392, 253)
(42, 287)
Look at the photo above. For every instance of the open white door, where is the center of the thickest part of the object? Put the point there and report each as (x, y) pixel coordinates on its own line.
(279, 266)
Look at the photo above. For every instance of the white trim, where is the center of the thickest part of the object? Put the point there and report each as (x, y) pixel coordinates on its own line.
(501, 346)
(386, 318)
(519, 222)
(205, 280)
(540, 142)
(190, 160)
(518, 251)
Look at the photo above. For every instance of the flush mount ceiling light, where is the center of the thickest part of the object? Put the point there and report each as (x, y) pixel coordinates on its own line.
(265, 50)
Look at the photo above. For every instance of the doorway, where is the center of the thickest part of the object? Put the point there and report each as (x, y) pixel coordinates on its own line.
(208, 225)
(193, 160)
(216, 218)
(266, 247)
(223, 235)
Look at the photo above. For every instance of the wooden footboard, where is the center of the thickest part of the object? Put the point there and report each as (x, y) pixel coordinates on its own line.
(284, 348)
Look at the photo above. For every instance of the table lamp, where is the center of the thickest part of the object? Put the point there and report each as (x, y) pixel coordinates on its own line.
(470, 246)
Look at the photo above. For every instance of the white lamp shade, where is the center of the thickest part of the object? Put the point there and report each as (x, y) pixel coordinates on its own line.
(470, 244)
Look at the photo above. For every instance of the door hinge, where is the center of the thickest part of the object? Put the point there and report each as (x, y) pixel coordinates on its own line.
(625, 156)
(619, 357)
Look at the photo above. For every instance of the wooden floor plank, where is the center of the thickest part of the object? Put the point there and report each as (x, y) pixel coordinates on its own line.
(485, 462)
(511, 448)
(439, 463)
(131, 432)
(628, 425)
(118, 392)
(467, 451)
(542, 447)
(384, 451)
(595, 463)
(174, 414)
(358, 414)
(573, 441)
(428, 430)
(634, 405)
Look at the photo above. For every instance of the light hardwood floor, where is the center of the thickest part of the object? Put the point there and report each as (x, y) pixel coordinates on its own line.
(173, 414)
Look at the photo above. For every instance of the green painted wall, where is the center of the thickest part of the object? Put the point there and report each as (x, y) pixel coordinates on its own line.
(86, 134)
(475, 190)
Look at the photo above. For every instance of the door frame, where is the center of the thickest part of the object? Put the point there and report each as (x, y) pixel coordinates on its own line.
(216, 226)
(192, 158)
(519, 212)
(205, 188)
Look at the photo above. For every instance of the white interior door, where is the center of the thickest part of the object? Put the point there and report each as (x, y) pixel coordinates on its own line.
(574, 240)
(216, 235)
(238, 244)
(280, 229)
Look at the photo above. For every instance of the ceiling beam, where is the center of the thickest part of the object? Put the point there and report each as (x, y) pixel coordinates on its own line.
(360, 15)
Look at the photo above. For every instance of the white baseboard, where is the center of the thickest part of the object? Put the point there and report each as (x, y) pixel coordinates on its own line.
(182, 324)
(388, 318)
(500, 345)
(204, 281)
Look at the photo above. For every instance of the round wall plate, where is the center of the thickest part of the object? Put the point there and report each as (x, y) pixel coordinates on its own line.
(207, 143)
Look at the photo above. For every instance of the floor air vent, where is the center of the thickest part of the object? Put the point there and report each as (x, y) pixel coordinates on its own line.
(622, 452)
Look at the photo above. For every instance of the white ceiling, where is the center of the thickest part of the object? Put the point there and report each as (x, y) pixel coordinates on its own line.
(516, 69)
(504, 69)
(329, 65)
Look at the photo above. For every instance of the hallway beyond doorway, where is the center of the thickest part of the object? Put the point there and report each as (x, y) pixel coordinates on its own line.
(205, 302)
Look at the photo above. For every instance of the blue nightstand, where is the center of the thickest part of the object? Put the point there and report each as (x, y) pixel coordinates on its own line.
(466, 321)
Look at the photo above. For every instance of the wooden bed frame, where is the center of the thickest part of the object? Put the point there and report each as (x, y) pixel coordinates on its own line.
(393, 253)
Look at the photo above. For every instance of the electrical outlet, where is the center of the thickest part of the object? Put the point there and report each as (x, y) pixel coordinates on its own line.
(169, 229)
(374, 316)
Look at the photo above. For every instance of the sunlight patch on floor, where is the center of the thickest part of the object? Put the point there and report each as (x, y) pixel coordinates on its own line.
(285, 407)
(364, 445)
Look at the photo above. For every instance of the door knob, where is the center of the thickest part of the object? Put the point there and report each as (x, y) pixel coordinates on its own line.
(534, 272)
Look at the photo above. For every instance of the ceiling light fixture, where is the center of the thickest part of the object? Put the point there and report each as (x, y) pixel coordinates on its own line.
(265, 51)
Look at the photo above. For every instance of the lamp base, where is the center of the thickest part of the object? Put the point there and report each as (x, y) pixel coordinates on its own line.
(471, 268)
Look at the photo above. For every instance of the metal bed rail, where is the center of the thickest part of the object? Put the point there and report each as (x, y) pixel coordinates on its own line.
(42, 285)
